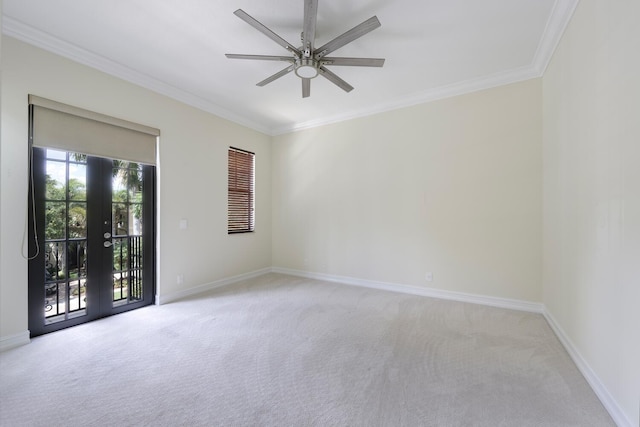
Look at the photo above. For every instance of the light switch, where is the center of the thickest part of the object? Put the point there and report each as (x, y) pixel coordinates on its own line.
(183, 224)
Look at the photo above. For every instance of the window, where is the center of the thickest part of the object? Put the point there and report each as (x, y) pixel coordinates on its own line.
(241, 191)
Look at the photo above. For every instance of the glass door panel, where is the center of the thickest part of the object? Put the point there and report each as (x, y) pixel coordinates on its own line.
(65, 234)
(127, 222)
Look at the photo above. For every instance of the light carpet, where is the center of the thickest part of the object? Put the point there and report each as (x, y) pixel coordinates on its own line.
(285, 351)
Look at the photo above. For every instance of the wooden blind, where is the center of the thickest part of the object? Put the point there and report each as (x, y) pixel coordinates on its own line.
(241, 191)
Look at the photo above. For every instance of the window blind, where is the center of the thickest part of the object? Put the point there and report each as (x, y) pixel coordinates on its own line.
(241, 191)
(63, 127)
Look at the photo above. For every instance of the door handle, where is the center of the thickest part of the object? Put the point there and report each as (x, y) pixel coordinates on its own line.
(107, 244)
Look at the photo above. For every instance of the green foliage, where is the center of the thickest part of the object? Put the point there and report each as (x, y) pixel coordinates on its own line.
(56, 209)
(55, 214)
(66, 211)
(77, 190)
(77, 220)
(131, 174)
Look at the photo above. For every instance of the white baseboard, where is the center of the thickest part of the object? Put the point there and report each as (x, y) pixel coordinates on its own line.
(415, 290)
(599, 389)
(13, 341)
(174, 296)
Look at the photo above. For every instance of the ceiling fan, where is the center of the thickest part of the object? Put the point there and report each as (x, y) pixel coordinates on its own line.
(308, 61)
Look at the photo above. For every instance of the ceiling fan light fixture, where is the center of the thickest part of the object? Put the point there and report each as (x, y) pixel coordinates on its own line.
(307, 61)
(306, 68)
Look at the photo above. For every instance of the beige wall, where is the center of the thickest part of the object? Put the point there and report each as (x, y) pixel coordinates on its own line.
(592, 193)
(192, 175)
(451, 187)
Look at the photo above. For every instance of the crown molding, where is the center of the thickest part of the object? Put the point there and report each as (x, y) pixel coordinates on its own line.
(561, 14)
(557, 23)
(441, 92)
(558, 20)
(35, 37)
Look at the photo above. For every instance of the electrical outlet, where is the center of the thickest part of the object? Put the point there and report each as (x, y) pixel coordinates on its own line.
(428, 276)
(179, 279)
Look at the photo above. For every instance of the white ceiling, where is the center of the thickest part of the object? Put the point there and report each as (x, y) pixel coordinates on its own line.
(433, 49)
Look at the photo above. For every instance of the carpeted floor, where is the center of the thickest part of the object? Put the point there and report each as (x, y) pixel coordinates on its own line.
(287, 351)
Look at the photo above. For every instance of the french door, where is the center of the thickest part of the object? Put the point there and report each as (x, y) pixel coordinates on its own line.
(92, 219)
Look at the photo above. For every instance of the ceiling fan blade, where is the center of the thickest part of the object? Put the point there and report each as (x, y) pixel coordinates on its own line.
(306, 88)
(309, 27)
(260, 57)
(351, 35)
(335, 79)
(353, 62)
(275, 76)
(264, 30)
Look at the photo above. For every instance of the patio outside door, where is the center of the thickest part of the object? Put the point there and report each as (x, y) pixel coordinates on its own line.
(93, 218)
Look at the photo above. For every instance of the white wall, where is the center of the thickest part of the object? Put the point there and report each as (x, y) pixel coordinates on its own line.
(451, 187)
(592, 194)
(1, 174)
(192, 172)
